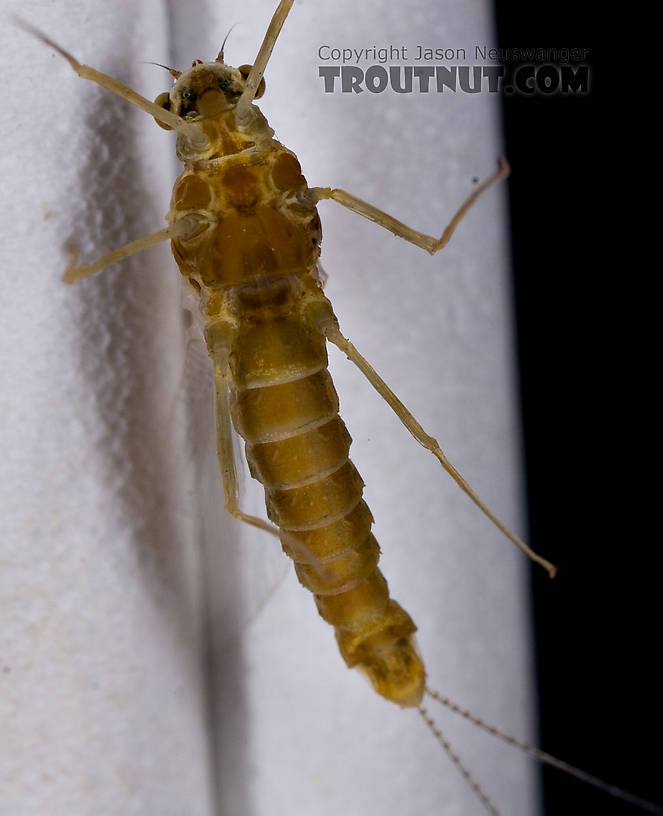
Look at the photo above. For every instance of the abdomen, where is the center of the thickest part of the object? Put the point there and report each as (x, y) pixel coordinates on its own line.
(286, 409)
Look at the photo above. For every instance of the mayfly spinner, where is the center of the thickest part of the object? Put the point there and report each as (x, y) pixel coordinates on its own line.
(245, 233)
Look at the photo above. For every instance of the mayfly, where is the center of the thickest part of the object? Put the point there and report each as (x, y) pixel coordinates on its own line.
(222, 342)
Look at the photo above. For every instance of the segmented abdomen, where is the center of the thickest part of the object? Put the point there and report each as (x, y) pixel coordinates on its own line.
(286, 409)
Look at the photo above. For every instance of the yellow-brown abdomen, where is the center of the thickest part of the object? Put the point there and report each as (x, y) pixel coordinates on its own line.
(286, 408)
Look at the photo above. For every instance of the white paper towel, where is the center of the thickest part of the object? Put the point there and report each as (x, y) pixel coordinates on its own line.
(133, 682)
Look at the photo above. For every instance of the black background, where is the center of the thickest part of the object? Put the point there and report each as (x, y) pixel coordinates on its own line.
(580, 341)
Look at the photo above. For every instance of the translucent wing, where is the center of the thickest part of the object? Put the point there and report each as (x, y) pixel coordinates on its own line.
(243, 566)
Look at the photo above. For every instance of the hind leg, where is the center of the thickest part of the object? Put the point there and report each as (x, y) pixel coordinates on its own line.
(427, 242)
(334, 336)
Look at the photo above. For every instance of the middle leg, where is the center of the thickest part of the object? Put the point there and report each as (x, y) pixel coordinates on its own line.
(227, 456)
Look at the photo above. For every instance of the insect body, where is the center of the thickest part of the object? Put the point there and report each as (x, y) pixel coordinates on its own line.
(247, 237)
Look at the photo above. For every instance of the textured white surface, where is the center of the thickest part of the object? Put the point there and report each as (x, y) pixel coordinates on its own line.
(105, 567)
(102, 704)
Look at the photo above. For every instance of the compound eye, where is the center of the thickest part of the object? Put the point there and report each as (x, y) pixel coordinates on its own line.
(245, 70)
(163, 101)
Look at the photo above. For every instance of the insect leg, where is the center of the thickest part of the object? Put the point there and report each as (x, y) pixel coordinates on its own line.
(226, 454)
(261, 60)
(74, 273)
(427, 242)
(334, 336)
(108, 82)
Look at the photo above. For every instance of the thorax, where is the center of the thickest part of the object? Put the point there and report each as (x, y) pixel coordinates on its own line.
(243, 215)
